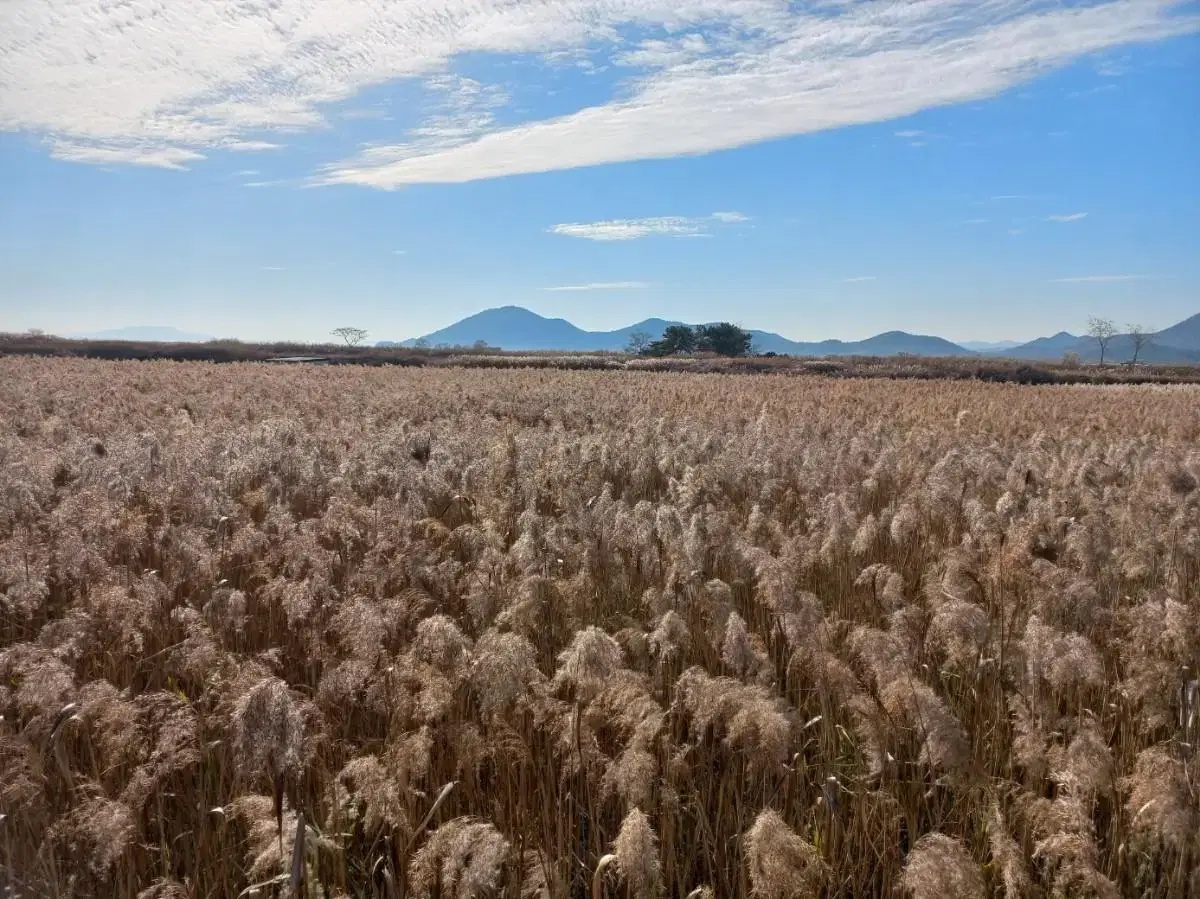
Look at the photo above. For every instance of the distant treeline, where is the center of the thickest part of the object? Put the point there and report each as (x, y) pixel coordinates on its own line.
(893, 367)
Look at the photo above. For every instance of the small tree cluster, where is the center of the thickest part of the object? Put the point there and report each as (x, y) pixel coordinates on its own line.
(723, 338)
(1104, 332)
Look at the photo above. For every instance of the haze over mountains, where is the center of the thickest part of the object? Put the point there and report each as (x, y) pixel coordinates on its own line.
(147, 333)
(516, 328)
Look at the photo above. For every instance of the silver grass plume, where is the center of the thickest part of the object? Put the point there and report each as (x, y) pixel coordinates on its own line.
(736, 651)
(461, 860)
(636, 849)
(587, 664)
(268, 729)
(1007, 856)
(505, 666)
(781, 863)
(939, 867)
(1161, 801)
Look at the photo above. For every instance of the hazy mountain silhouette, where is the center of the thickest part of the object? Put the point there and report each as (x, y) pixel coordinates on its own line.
(146, 334)
(1178, 343)
(516, 328)
(1185, 335)
(1044, 347)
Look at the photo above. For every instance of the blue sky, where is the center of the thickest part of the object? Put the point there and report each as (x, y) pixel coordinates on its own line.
(271, 170)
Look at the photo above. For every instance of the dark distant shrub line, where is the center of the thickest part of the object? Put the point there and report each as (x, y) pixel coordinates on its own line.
(710, 349)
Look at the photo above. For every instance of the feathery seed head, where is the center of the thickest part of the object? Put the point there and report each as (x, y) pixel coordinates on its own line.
(940, 866)
(462, 860)
(268, 729)
(587, 664)
(636, 849)
(781, 863)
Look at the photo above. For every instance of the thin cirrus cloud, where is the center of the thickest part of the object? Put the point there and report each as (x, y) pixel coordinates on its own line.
(1071, 217)
(600, 285)
(658, 226)
(1102, 279)
(176, 158)
(164, 85)
(859, 280)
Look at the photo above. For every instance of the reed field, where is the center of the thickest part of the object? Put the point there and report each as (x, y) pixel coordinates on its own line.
(446, 632)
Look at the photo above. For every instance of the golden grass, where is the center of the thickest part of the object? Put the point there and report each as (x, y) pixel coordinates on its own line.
(466, 633)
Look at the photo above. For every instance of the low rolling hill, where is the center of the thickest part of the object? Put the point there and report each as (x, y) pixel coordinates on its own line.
(516, 328)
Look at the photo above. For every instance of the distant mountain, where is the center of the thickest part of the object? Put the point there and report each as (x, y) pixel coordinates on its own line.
(515, 328)
(1045, 347)
(1178, 343)
(1121, 350)
(890, 343)
(1184, 336)
(147, 334)
(512, 328)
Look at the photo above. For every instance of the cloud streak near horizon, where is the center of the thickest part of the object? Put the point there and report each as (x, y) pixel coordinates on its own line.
(1102, 279)
(600, 285)
(148, 83)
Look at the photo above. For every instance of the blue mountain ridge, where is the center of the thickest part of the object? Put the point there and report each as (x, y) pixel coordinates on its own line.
(517, 328)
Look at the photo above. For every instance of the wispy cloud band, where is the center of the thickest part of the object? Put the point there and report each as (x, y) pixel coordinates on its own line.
(153, 84)
(600, 285)
(635, 229)
(1102, 279)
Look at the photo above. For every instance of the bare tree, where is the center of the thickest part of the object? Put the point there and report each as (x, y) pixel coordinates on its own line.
(1101, 330)
(1140, 340)
(638, 341)
(352, 336)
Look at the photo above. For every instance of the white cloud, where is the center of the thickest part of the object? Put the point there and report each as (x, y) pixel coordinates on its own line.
(977, 221)
(910, 134)
(151, 157)
(635, 229)
(1072, 217)
(147, 82)
(399, 252)
(804, 72)
(1102, 279)
(601, 285)
(858, 280)
(631, 229)
(273, 268)
(250, 146)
